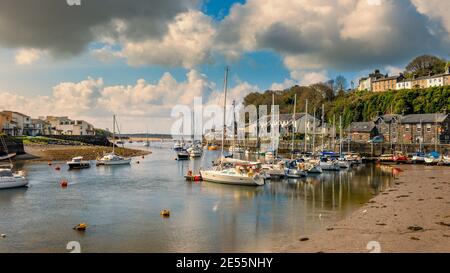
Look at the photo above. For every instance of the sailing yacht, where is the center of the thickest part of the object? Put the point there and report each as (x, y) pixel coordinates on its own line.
(240, 172)
(9, 179)
(113, 158)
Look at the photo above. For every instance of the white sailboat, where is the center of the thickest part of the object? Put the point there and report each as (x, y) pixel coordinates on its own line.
(242, 173)
(9, 179)
(113, 158)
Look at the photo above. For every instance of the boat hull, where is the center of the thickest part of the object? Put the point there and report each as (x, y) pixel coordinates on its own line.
(215, 177)
(113, 163)
(78, 166)
(11, 183)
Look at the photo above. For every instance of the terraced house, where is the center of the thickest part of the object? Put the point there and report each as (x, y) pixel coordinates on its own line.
(425, 128)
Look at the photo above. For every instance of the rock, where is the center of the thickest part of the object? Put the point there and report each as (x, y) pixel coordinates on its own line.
(415, 228)
(415, 238)
(2, 235)
(304, 239)
(402, 196)
(330, 229)
(443, 224)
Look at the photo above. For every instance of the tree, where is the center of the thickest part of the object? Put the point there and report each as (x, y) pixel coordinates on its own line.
(424, 65)
(340, 84)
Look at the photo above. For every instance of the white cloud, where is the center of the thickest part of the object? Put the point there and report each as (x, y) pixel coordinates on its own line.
(393, 70)
(187, 43)
(301, 77)
(339, 34)
(27, 56)
(94, 101)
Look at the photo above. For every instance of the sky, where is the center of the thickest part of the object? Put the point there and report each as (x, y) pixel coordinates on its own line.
(140, 58)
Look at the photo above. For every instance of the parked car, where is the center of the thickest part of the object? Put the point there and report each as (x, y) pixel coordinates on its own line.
(377, 139)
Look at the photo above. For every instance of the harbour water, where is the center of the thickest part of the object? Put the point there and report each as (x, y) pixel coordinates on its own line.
(122, 205)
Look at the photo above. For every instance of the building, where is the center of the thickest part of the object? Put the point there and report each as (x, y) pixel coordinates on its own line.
(404, 84)
(16, 124)
(365, 83)
(436, 80)
(425, 128)
(387, 125)
(386, 83)
(66, 126)
(41, 127)
(361, 131)
(419, 82)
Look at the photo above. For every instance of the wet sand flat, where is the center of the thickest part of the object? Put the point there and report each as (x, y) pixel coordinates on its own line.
(412, 216)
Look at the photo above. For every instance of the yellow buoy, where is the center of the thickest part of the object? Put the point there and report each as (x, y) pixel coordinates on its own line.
(165, 213)
(80, 227)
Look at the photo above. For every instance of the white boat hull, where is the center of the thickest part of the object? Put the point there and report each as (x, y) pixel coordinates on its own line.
(217, 177)
(315, 169)
(116, 162)
(10, 183)
(329, 167)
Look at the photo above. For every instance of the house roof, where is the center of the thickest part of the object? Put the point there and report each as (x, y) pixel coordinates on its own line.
(361, 127)
(388, 118)
(424, 118)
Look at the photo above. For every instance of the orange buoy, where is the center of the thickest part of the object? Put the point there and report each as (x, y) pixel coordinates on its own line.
(49, 163)
(57, 168)
(137, 162)
(64, 183)
(143, 156)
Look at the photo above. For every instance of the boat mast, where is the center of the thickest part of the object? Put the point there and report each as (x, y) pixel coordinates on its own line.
(436, 137)
(340, 135)
(224, 111)
(314, 131)
(323, 124)
(114, 132)
(234, 126)
(306, 127)
(293, 126)
(272, 121)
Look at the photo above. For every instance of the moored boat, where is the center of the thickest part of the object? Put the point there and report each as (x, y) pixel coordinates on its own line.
(78, 163)
(9, 179)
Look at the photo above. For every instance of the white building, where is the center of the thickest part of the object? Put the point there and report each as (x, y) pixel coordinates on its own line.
(436, 80)
(66, 126)
(404, 84)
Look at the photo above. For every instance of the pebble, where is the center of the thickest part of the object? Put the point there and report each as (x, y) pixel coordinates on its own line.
(304, 239)
(415, 228)
(415, 238)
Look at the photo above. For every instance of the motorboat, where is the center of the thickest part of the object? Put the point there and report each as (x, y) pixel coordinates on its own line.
(78, 163)
(195, 152)
(354, 158)
(386, 158)
(418, 157)
(326, 164)
(274, 170)
(313, 168)
(400, 158)
(9, 179)
(433, 158)
(446, 159)
(183, 155)
(295, 169)
(343, 163)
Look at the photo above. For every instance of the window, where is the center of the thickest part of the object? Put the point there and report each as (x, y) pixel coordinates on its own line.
(407, 128)
(419, 128)
(428, 128)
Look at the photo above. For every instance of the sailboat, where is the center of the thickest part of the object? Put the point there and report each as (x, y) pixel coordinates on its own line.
(195, 150)
(147, 142)
(240, 172)
(342, 162)
(113, 158)
(9, 179)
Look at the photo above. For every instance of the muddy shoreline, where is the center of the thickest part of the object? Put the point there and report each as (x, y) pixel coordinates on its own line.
(412, 216)
(66, 153)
